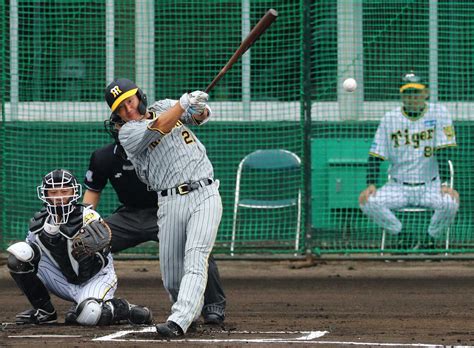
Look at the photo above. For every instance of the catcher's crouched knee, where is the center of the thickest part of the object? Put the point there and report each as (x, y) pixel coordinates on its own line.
(23, 258)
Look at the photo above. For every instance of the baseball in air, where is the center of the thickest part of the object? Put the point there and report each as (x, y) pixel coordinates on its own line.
(349, 85)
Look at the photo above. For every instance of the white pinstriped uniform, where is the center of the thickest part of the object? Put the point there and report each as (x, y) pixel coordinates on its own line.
(101, 286)
(410, 146)
(188, 224)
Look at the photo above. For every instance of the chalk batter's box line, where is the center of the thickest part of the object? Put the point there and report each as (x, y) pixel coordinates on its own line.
(307, 337)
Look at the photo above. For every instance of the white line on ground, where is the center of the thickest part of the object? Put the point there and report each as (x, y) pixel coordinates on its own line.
(307, 335)
(312, 335)
(45, 336)
(307, 338)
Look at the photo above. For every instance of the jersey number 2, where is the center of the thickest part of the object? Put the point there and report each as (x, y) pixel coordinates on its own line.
(188, 138)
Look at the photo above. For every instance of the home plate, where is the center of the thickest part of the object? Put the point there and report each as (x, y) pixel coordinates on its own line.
(148, 334)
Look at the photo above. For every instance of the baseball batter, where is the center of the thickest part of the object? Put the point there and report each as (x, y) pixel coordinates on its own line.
(170, 159)
(417, 139)
(134, 222)
(47, 261)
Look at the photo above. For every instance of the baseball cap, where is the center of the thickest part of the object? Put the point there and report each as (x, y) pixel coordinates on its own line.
(412, 83)
(119, 90)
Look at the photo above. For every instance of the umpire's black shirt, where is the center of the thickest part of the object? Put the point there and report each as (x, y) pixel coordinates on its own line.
(106, 164)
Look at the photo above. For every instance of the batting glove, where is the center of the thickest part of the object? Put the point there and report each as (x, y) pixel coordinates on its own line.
(196, 100)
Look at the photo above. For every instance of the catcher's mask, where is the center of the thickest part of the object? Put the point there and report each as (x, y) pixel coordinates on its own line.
(59, 191)
(121, 89)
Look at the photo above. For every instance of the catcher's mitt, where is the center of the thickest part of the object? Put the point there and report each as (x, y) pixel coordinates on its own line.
(93, 237)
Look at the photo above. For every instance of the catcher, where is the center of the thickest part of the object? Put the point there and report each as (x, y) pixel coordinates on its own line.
(67, 252)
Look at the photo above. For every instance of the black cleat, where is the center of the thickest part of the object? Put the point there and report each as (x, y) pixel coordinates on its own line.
(169, 330)
(36, 316)
(213, 319)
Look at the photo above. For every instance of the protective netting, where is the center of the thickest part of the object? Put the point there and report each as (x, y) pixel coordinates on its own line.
(57, 57)
(377, 42)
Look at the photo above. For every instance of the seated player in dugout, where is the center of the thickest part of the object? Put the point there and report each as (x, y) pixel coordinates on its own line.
(134, 221)
(48, 261)
(418, 139)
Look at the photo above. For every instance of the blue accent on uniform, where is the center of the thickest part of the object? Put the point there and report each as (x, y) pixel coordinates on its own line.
(430, 123)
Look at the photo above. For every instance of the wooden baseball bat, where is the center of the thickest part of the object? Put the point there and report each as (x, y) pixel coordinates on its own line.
(254, 34)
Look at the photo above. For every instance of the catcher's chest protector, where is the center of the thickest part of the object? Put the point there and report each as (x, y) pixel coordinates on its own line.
(57, 247)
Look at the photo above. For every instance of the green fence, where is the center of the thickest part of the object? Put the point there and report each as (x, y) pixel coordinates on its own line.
(285, 93)
(339, 168)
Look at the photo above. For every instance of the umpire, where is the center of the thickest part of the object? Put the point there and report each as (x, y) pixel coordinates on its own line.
(134, 221)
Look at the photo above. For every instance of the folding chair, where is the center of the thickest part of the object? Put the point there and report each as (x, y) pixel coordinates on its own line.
(421, 209)
(271, 168)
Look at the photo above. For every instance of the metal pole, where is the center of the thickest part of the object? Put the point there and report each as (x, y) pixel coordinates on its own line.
(433, 32)
(109, 41)
(14, 78)
(145, 46)
(349, 58)
(306, 114)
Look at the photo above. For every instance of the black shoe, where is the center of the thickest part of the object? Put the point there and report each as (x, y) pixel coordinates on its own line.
(214, 314)
(169, 330)
(213, 319)
(140, 315)
(36, 316)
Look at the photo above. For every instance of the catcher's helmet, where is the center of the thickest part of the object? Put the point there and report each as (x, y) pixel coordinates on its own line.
(111, 128)
(412, 83)
(59, 207)
(119, 90)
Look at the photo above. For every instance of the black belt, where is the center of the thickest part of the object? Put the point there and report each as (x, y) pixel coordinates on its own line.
(413, 184)
(186, 188)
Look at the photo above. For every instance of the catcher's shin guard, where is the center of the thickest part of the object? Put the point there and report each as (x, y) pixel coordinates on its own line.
(140, 315)
(124, 311)
(91, 312)
(23, 265)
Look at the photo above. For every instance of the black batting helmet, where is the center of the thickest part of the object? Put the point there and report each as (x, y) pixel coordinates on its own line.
(119, 90)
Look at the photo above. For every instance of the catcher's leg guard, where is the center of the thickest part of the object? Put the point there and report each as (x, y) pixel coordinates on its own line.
(140, 315)
(122, 310)
(70, 318)
(91, 312)
(23, 266)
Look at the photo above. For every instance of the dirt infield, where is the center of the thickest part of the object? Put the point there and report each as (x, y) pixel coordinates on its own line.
(332, 304)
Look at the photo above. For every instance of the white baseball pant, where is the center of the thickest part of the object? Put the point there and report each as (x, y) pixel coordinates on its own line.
(393, 196)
